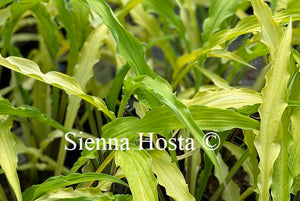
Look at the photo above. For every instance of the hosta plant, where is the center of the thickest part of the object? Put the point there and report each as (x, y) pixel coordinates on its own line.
(149, 100)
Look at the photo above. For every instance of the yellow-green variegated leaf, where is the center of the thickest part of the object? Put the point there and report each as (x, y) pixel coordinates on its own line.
(58, 182)
(137, 167)
(62, 81)
(83, 70)
(270, 31)
(228, 55)
(8, 155)
(246, 25)
(82, 194)
(169, 176)
(216, 79)
(225, 98)
(231, 190)
(238, 152)
(274, 95)
(4, 15)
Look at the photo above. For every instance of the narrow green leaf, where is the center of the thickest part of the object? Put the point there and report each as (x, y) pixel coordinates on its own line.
(58, 182)
(8, 155)
(47, 28)
(81, 20)
(137, 167)
(67, 20)
(219, 11)
(27, 111)
(127, 46)
(295, 148)
(62, 81)
(166, 9)
(4, 2)
(115, 88)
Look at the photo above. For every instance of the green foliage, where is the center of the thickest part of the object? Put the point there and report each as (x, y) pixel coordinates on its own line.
(120, 69)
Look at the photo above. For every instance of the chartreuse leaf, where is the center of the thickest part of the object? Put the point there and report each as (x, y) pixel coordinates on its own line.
(270, 31)
(274, 95)
(189, 57)
(137, 167)
(225, 98)
(4, 15)
(62, 81)
(160, 119)
(169, 176)
(83, 70)
(238, 152)
(4, 2)
(293, 4)
(82, 194)
(246, 25)
(58, 182)
(127, 46)
(228, 55)
(216, 79)
(219, 11)
(6, 108)
(8, 155)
